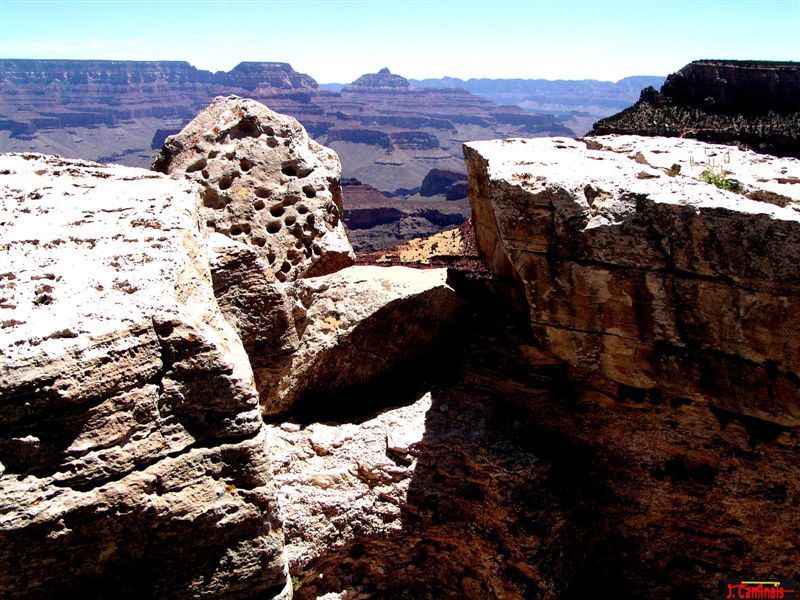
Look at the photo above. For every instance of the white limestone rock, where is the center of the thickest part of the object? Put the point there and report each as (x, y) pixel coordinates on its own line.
(130, 433)
(264, 183)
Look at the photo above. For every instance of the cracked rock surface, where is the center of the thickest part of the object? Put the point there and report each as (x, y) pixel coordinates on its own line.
(133, 456)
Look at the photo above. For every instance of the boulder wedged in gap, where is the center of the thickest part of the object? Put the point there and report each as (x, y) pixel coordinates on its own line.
(360, 325)
(655, 263)
(133, 452)
(265, 183)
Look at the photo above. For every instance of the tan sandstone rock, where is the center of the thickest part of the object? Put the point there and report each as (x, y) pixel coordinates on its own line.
(264, 183)
(132, 448)
(636, 268)
(360, 324)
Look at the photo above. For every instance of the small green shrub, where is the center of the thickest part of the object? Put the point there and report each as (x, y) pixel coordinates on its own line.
(296, 583)
(717, 178)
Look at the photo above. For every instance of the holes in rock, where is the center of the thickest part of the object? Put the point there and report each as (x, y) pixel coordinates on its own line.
(289, 220)
(213, 154)
(212, 199)
(280, 276)
(259, 240)
(286, 266)
(295, 168)
(271, 257)
(272, 142)
(197, 166)
(276, 211)
(236, 230)
(310, 220)
(204, 173)
(258, 205)
(309, 191)
(164, 330)
(263, 192)
(247, 127)
(274, 227)
(245, 164)
(230, 155)
(302, 209)
(268, 130)
(225, 182)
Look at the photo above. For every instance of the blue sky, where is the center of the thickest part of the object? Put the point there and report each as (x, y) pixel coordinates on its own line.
(338, 40)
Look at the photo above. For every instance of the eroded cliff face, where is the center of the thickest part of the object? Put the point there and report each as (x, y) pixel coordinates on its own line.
(674, 304)
(752, 103)
(638, 270)
(133, 451)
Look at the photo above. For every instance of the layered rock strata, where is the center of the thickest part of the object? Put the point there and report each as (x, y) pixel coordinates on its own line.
(636, 268)
(133, 458)
(266, 183)
(753, 103)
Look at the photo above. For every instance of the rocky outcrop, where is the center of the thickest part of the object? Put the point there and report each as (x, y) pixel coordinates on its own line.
(754, 103)
(265, 183)
(382, 80)
(637, 268)
(452, 184)
(132, 458)
(357, 327)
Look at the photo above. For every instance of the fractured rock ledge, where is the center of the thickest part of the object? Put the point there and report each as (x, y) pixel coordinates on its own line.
(133, 455)
(636, 269)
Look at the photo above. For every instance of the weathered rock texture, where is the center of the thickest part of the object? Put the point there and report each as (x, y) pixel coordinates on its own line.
(756, 103)
(635, 270)
(266, 183)
(358, 326)
(132, 456)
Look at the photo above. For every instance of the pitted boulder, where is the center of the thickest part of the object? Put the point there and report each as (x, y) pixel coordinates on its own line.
(264, 183)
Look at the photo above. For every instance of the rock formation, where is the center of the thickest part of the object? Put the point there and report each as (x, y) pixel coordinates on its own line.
(755, 103)
(383, 79)
(358, 327)
(676, 286)
(133, 451)
(452, 184)
(266, 183)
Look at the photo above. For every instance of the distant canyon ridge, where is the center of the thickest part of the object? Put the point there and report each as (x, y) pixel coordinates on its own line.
(399, 140)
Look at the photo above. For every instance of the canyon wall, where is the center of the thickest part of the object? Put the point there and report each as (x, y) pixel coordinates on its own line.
(754, 103)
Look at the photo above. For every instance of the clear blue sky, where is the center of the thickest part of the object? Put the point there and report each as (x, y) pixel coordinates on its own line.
(338, 40)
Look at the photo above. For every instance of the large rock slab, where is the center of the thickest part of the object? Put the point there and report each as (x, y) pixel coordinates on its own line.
(264, 183)
(636, 269)
(132, 450)
(359, 325)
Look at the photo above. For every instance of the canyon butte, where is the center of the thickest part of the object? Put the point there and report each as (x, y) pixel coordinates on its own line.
(201, 396)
